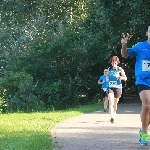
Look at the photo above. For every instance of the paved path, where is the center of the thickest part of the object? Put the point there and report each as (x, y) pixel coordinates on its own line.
(93, 131)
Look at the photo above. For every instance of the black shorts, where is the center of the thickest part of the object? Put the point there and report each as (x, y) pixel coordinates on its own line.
(141, 87)
(104, 93)
(117, 92)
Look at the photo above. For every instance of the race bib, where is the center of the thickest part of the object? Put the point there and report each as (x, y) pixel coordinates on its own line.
(112, 83)
(145, 65)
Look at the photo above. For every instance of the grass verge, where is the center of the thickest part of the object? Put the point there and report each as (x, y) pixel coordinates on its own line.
(22, 131)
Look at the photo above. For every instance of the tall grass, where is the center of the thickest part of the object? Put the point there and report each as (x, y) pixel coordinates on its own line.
(32, 131)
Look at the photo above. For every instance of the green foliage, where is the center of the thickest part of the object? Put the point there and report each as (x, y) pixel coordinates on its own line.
(52, 52)
(19, 93)
(1, 104)
(60, 96)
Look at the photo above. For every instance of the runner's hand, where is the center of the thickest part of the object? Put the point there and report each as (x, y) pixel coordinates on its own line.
(124, 39)
(116, 75)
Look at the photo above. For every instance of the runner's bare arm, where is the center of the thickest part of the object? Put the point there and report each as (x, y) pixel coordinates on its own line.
(100, 82)
(123, 75)
(124, 42)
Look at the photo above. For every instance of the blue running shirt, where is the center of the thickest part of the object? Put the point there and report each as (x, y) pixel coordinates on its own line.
(141, 51)
(113, 81)
(105, 84)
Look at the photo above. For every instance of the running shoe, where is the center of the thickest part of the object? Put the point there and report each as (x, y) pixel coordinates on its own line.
(120, 104)
(112, 120)
(104, 110)
(143, 138)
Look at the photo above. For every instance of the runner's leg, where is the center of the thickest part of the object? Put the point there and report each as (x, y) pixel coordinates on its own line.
(145, 112)
(145, 116)
(105, 102)
(115, 103)
(111, 104)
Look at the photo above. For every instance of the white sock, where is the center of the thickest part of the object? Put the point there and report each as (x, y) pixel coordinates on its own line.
(114, 115)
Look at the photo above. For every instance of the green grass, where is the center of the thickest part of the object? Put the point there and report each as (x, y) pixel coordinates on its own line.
(22, 131)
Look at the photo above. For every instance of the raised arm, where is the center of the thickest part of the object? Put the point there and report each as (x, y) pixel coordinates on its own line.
(124, 42)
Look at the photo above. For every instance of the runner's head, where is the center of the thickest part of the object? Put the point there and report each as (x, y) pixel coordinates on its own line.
(105, 72)
(114, 61)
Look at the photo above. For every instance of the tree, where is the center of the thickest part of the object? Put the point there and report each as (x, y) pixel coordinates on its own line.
(62, 47)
